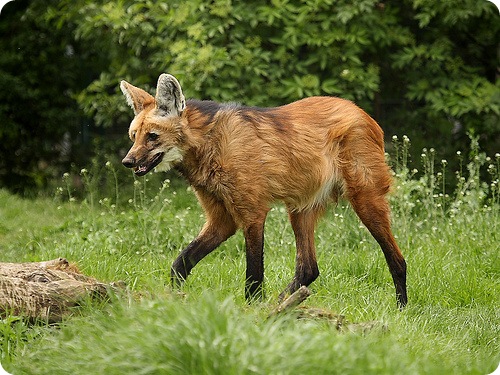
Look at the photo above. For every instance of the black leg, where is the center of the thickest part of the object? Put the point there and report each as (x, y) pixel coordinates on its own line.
(306, 267)
(254, 242)
(207, 241)
(374, 213)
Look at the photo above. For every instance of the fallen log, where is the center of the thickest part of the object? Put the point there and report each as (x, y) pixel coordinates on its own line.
(46, 290)
(291, 304)
(295, 299)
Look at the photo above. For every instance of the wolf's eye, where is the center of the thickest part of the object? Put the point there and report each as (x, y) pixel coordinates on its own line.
(152, 136)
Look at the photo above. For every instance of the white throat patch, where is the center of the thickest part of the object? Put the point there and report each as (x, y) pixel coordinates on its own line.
(171, 157)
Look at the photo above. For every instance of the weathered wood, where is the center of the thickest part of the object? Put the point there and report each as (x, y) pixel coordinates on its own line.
(292, 302)
(340, 322)
(45, 290)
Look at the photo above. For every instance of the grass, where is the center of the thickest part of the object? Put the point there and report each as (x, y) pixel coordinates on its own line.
(450, 238)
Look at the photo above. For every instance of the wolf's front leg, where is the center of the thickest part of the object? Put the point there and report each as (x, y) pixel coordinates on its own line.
(208, 240)
(218, 228)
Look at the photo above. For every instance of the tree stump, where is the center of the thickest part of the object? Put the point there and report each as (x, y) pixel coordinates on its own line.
(45, 290)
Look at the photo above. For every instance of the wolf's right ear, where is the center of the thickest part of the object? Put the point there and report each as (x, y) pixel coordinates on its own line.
(136, 98)
(169, 98)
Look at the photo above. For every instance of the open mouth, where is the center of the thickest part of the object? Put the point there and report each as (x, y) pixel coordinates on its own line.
(142, 169)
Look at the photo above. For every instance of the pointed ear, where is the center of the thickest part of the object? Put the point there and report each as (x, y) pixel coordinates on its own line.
(169, 98)
(136, 98)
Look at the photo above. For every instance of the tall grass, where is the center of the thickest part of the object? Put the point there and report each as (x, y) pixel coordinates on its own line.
(446, 222)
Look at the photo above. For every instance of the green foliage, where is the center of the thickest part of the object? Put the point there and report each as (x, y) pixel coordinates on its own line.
(422, 191)
(441, 64)
(260, 53)
(15, 331)
(40, 71)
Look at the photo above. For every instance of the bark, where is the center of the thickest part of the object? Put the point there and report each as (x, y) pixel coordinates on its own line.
(45, 290)
(291, 304)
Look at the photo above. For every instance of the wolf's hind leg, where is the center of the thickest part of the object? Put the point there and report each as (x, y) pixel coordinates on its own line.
(306, 267)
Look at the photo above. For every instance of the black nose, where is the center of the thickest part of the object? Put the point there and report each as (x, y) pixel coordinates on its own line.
(128, 161)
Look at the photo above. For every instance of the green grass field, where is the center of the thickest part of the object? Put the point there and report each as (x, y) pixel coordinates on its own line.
(451, 241)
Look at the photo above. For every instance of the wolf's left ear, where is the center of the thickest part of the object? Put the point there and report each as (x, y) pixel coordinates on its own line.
(169, 98)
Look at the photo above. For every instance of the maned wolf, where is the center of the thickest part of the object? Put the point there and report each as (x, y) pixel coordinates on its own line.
(240, 159)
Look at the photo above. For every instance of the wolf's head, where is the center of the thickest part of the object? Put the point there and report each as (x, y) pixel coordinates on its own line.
(156, 129)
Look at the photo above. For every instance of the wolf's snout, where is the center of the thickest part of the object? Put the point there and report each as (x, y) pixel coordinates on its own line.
(129, 161)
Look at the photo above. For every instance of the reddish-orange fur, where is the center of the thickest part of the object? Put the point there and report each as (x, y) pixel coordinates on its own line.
(240, 160)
